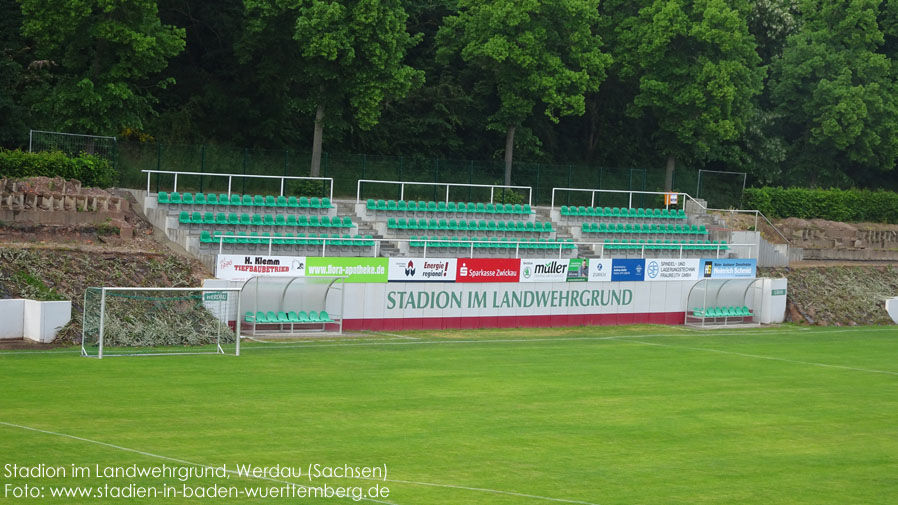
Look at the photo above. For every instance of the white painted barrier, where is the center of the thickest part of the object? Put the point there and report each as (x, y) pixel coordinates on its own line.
(34, 320)
(12, 319)
(892, 308)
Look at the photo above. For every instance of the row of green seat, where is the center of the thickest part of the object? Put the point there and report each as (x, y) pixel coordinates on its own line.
(491, 242)
(442, 207)
(290, 220)
(290, 317)
(236, 200)
(655, 245)
(334, 239)
(621, 212)
(644, 228)
(471, 225)
(722, 312)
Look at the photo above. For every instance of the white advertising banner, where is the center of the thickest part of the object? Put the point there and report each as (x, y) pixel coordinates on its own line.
(599, 270)
(555, 270)
(237, 267)
(672, 269)
(422, 270)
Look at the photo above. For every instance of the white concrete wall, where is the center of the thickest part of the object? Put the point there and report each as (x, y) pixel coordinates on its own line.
(11, 318)
(892, 308)
(43, 320)
(773, 300)
(38, 321)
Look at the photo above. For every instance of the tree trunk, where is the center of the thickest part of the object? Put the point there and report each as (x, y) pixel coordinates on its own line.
(668, 177)
(509, 151)
(316, 140)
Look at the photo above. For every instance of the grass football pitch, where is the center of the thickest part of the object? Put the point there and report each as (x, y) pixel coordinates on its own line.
(615, 415)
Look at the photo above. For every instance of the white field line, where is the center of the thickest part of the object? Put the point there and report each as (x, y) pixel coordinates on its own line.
(741, 333)
(493, 491)
(233, 472)
(159, 456)
(389, 341)
(759, 356)
(391, 335)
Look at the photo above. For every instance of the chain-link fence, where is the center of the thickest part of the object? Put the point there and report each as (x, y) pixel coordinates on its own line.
(347, 169)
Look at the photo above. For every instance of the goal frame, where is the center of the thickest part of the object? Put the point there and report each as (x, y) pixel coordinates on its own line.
(103, 290)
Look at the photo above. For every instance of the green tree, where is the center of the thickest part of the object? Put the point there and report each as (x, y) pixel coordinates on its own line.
(835, 93)
(695, 67)
(103, 57)
(350, 55)
(534, 52)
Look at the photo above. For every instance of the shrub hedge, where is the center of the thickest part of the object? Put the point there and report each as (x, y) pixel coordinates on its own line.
(91, 170)
(847, 205)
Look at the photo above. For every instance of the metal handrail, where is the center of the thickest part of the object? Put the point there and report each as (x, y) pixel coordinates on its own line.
(594, 191)
(402, 184)
(471, 243)
(230, 177)
(757, 213)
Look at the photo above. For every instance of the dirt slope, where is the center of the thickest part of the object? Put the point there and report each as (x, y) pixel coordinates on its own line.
(838, 295)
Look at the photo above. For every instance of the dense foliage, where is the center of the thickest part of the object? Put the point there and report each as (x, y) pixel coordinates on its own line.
(832, 204)
(794, 92)
(90, 170)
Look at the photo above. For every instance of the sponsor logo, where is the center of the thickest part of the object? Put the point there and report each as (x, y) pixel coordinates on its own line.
(410, 269)
(652, 269)
(552, 267)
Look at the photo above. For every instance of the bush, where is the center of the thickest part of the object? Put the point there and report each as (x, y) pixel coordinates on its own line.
(91, 170)
(850, 205)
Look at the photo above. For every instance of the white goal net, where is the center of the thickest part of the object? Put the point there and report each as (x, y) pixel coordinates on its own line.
(144, 321)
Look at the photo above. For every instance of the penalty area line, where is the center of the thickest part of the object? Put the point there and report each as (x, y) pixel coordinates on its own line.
(759, 356)
(201, 465)
(166, 458)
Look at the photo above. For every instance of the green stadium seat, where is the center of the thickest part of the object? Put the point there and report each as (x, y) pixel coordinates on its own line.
(293, 317)
(326, 203)
(268, 220)
(315, 202)
(184, 217)
(280, 220)
(162, 198)
(303, 317)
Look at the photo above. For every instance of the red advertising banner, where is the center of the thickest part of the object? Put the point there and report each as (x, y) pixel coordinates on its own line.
(488, 270)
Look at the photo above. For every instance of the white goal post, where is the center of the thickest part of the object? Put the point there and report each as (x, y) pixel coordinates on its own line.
(134, 321)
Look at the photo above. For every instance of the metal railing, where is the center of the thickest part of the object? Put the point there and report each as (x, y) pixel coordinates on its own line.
(402, 185)
(231, 177)
(613, 191)
(757, 213)
(473, 244)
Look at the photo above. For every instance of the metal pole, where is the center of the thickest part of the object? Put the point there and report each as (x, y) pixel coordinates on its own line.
(202, 164)
(102, 320)
(30, 136)
(245, 154)
(237, 326)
